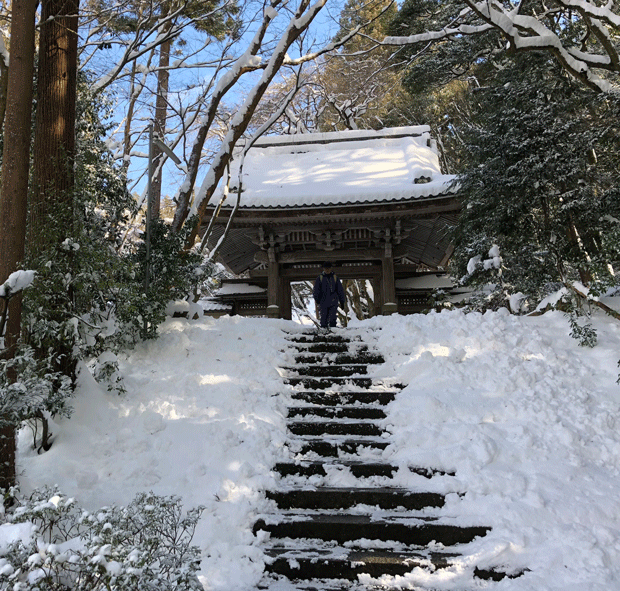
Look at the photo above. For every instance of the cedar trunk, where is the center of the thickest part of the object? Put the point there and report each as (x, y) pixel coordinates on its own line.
(51, 210)
(14, 191)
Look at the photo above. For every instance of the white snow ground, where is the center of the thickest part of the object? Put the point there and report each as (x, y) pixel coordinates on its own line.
(527, 418)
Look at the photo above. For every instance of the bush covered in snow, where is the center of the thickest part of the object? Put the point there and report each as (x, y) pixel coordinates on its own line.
(58, 546)
(38, 390)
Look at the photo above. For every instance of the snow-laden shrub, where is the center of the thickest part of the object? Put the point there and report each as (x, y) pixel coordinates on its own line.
(142, 547)
(31, 388)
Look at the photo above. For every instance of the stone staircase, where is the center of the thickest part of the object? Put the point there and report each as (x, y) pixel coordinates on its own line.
(338, 521)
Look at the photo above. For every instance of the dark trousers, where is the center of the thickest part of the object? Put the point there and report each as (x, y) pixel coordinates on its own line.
(329, 316)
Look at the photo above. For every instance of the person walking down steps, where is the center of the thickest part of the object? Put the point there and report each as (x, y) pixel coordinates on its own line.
(328, 295)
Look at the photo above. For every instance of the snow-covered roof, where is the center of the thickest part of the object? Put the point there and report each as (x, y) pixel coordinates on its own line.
(342, 167)
(239, 289)
(429, 281)
(211, 305)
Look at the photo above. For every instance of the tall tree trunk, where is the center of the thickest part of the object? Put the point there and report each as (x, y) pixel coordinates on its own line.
(161, 113)
(52, 198)
(54, 142)
(14, 191)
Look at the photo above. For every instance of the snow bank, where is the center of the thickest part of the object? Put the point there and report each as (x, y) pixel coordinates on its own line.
(200, 419)
(529, 422)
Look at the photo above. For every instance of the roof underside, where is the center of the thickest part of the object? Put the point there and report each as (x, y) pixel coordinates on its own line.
(426, 243)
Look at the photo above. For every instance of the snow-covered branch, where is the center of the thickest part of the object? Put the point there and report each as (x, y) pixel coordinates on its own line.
(299, 23)
(249, 61)
(262, 130)
(598, 51)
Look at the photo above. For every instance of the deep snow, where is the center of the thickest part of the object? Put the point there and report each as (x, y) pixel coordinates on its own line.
(526, 418)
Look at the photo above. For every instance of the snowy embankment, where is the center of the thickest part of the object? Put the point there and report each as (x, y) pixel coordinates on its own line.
(527, 419)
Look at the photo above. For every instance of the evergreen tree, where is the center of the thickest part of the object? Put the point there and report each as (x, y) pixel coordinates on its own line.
(541, 184)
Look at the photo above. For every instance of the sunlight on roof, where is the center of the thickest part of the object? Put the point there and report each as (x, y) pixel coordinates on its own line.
(213, 379)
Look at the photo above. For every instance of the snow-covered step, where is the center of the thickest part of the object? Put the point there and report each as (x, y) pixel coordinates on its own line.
(318, 468)
(346, 563)
(358, 357)
(336, 412)
(336, 427)
(314, 383)
(326, 370)
(342, 528)
(337, 446)
(345, 498)
(335, 398)
(322, 337)
(322, 347)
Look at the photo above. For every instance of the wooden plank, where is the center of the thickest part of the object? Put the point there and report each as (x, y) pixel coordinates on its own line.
(388, 284)
(409, 208)
(318, 256)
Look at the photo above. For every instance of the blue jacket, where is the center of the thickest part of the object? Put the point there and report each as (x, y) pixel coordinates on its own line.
(328, 291)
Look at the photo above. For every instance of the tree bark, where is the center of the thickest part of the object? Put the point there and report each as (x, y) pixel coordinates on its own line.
(14, 191)
(4, 81)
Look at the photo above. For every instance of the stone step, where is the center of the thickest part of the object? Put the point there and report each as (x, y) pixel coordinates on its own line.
(323, 348)
(343, 528)
(378, 397)
(358, 469)
(327, 371)
(321, 337)
(345, 563)
(312, 383)
(367, 428)
(334, 448)
(336, 412)
(325, 498)
(340, 358)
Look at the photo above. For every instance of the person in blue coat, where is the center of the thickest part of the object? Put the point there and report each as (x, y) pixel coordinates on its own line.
(328, 294)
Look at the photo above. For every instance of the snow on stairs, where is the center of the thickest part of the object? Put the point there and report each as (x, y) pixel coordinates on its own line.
(335, 537)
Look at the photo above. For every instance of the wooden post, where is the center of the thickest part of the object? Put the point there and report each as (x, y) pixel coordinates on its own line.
(388, 284)
(273, 285)
(377, 295)
(285, 302)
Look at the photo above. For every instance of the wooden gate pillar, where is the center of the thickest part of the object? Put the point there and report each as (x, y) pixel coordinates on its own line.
(377, 296)
(388, 286)
(273, 285)
(286, 304)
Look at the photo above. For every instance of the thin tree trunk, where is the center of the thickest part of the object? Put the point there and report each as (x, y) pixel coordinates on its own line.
(129, 119)
(161, 113)
(134, 95)
(14, 191)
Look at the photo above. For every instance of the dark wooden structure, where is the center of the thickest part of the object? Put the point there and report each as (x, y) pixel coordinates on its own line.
(377, 236)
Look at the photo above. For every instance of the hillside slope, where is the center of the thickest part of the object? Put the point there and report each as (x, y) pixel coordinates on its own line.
(526, 418)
